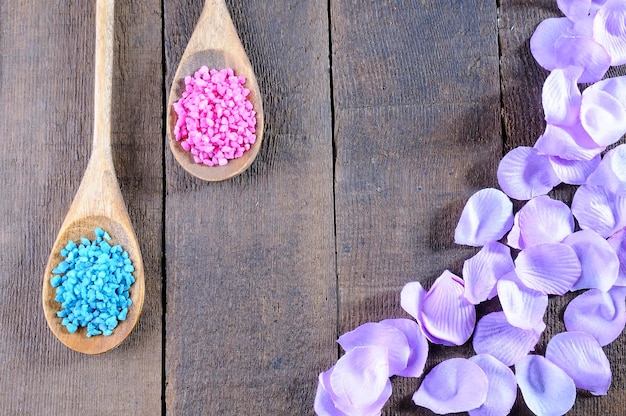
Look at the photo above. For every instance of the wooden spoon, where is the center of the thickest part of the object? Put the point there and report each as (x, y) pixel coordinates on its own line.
(98, 203)
(215, 44)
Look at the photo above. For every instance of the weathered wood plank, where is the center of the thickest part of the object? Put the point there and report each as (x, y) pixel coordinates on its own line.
(523, 121)
(416, 99)
(251, 285)
(46, 73)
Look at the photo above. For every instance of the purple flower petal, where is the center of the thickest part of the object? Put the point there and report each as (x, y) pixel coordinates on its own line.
(502, 387)
(380, 335)
(494, 335)
(547, 390)
(487, 216)
(550, 268)
(609, 30)
(600, 314)
(482, 271)
(454, 385)
(545, 220)
(615, 86)
(600, 265)
(582, 358)
(574, 172)
(324, 405)
(514, 239)
(359, 383)
(524, 173)
(574, 9)
(568, 142)
(602, 116)
(611, 172)
(598, 209)
(543, 41)
(418, 345)
(585, 53)
(447, 317)
(412, 299)
(618, 242)
(523, 307)
(561, 97)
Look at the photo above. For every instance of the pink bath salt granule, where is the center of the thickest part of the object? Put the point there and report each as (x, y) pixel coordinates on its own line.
(216, 122)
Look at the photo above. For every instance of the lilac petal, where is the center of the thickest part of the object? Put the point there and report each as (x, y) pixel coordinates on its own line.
(502, 387)
(418, 346)
(574, 9)
(609, 29)
(574, 172)
(618, 242)
(482, 271)
(561, 97)
(545, 220)
(550, 268)
(523, 307)
(584, 53)
(455, 385)
(380, 335)
(602, 116)
(514, 239)
(359, 383)
(524, 173)
(494, 335)
(487, 216)
(615, 86)
(324, 405)
(611, 172)
(543, 41)
(568, 142)
(582, 358)
(547, 390)
(600, 314)
(600, 210)
(598, 260)
(412, 299)
(447, 317)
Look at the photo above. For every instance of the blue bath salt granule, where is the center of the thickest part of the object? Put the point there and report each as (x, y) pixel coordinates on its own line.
(92, 285)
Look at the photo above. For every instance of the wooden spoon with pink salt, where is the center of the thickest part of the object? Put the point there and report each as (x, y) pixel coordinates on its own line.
(223, 148)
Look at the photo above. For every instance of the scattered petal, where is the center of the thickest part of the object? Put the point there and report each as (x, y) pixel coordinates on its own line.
(602, 116)
(547, 390)
(609, 30)
(502, 387)
(359, 383)
(324, 405)
(582, 358)
(561, 97)
(550, 268)
(524, 173)
(545, 220)
(600, 265)
(412, 299)
(568, 142)
(455, 385)
(482, 271)
(611, 172)
(380, 335)
(574, 172)
(494, 335)
(598, 209)
(514, 239)
(618, 242)
(418, 346)
(487, 216)
(543, 41)
(600, 314)
(447, 317)
(584, 53)
(523, 307)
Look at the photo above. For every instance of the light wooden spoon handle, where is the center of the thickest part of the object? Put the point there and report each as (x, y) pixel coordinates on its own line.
(103, 80)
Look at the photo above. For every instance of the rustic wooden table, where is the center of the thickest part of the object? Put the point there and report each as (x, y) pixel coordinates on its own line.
(382, 118)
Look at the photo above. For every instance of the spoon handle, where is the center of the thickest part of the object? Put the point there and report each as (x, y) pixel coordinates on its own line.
(103, 79)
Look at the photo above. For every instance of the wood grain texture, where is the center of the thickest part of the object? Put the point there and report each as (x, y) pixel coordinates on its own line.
(417, 131)
(251, 306)
(47, 70)
(523, 120)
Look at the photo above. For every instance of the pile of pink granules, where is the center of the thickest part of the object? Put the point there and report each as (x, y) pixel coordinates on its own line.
(216, 121)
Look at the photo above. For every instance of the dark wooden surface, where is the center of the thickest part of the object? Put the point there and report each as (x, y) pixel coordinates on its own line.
(382, 117)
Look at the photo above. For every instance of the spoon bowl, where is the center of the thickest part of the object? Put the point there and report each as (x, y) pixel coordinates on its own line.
(98, 203)
(214, 43)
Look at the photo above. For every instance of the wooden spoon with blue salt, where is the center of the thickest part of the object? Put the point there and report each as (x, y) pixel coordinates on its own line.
(98, 204)
(214, 43)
